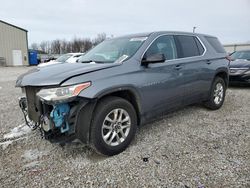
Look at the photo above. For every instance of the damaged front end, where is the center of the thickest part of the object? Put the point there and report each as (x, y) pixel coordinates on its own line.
(57, 112)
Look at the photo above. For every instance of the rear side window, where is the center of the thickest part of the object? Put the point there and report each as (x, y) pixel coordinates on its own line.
(188, 46)
(215, 43)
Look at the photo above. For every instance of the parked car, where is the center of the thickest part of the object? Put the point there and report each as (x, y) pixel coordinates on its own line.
(123, 83)
(240, 68)
(74, 58)
(66, 58)
(49, 59)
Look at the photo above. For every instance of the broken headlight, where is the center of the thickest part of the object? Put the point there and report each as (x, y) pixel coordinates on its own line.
(62, 93)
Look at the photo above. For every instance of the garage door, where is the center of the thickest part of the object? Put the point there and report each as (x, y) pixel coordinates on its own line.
(17, 57)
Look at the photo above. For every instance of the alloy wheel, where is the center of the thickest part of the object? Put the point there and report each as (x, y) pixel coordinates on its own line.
(218, 93)
(116, 127)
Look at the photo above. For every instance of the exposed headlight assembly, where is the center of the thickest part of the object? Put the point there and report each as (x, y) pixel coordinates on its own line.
(62, 93)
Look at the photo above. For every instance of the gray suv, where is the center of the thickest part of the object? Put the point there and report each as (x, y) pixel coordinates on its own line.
(123, 83)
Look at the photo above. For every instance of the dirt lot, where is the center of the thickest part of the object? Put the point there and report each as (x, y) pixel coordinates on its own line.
(193, 147)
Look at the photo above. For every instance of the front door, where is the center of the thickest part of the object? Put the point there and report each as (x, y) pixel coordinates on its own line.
(163, 83)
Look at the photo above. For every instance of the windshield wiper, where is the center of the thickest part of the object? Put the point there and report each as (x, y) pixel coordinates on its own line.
(91, 61)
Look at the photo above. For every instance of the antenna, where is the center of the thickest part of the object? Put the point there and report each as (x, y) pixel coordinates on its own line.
(194, 29)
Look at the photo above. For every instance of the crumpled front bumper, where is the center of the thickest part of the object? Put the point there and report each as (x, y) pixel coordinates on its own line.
(37, 114)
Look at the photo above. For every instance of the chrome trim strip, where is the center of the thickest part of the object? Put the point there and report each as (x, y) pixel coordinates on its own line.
(239, 68)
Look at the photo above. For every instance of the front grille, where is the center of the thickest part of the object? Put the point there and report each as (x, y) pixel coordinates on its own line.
(33, 103)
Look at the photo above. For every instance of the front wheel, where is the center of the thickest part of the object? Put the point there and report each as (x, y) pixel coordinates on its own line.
(217, 94)
(113, 126)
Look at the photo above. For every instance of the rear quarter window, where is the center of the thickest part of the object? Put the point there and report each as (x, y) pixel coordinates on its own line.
(199, 45)
(215, 43)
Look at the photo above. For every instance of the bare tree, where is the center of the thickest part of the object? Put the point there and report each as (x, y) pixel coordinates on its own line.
(76, 45)
(56, 47)
(63, 46)
(87, 44)
(43, 46)
(34, 46)
(69, 47)
(100, 37)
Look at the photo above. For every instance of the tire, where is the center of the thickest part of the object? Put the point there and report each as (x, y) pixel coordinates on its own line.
(106, 125)
(217, 94)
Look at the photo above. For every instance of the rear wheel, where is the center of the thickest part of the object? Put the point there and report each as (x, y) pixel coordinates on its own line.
(217, 94)
(113, 126)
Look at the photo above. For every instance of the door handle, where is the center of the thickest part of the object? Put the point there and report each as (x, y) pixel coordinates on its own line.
(178, 67)
(208, 62)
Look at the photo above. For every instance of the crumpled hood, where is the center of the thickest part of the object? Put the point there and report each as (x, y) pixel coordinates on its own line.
(56, 74)
(239, 63)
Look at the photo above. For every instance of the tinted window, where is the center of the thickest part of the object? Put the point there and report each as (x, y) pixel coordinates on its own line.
(214, 42)
(63, 58)
(241, 55)
(163, 45)
(187, 46)
(199, 45)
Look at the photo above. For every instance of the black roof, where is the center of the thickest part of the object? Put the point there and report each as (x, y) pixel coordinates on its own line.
(13, 26)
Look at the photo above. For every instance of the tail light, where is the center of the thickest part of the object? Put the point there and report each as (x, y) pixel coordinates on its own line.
(229, 59)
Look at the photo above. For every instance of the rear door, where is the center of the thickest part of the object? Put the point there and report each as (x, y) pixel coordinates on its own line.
(190, 52)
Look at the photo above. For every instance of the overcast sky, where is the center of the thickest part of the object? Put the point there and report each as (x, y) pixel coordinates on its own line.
(64, 19)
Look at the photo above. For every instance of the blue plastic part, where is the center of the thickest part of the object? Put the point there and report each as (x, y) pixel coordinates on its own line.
(59, 116)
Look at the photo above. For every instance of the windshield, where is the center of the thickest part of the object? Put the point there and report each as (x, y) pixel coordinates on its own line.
(113, 50)
(63, 58)
(241, 55)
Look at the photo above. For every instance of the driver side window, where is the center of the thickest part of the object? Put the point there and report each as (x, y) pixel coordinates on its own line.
(163, 45)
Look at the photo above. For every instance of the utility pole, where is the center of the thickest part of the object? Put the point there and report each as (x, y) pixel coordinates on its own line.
(194, 29)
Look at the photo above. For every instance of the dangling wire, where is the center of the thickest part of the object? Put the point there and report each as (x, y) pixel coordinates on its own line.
(31, 124)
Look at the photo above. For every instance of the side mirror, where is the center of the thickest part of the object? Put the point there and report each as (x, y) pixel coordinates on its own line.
(77, 60)
(155, 58)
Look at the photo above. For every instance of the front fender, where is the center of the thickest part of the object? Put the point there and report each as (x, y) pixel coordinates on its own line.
(83, 123)
(113, 89)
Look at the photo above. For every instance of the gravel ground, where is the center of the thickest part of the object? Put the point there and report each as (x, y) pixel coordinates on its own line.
(193, 147)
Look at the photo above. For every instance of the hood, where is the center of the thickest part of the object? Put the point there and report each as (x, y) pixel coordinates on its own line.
(58, 73)
(240, 63)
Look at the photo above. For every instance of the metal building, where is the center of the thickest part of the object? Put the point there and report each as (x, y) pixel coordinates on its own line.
(13, 45)
(235, 47)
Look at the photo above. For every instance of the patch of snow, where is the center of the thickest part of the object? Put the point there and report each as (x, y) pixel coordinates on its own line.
(30, 155)
(6, 144)
(9, 142)
(32, 164)
(79, 162)
(18, 131)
